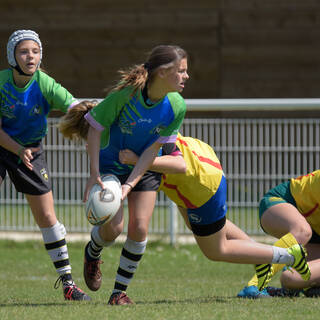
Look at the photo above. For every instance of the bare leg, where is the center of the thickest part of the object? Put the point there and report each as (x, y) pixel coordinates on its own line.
(218, 248)
(110, 231)
(231, 244)
(43, 209)
(292, 280)
(141, 205)
(283, 218)
(234, 232)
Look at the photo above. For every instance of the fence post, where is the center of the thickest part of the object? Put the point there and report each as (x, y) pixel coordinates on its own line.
(173, 223)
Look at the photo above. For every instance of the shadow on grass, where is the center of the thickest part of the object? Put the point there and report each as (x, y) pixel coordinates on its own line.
(49, 304)
(198, 300)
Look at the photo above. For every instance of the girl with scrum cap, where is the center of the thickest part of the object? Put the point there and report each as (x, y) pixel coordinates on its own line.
(27, 95)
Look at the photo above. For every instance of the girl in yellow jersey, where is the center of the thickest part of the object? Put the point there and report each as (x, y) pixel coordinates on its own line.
(292, 208)
(193, 178)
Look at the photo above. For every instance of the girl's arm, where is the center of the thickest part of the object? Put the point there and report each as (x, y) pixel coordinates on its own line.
(93, 149)
(163, 164)
(142, 165)
(25, 154)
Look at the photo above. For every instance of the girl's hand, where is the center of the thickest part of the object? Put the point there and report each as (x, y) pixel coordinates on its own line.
(90, 183)
(26, 156)
(126, 188)
(127, 156)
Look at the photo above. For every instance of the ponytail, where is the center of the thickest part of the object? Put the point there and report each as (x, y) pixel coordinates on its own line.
(135, 77)
(73, 125)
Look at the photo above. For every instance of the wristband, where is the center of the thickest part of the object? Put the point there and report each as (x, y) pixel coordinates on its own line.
(128, 184)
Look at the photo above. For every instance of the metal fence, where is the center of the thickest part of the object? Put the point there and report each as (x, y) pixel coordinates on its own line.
(256, 154)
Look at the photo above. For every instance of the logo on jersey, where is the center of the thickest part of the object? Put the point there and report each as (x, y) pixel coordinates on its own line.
(158, 129)
(194, 218)
(125, 125)
(145, 120)
(127, 120)
(36, 110)
(44, 174)
(8, 111)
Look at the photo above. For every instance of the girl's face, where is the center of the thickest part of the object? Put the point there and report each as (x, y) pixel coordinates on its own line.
(176, 76)
(27, 55)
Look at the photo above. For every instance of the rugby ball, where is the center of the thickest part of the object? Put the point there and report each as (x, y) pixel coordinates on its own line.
(103, 204)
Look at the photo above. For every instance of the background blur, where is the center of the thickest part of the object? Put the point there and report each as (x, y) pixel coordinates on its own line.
(238, 49)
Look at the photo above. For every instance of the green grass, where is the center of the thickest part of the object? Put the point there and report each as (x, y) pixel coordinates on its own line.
(171, 283)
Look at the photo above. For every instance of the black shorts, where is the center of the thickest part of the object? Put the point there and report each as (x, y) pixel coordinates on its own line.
(150, 181)
(208, 229)
(33, 182)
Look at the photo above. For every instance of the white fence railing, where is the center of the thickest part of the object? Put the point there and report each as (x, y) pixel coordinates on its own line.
(256, 154)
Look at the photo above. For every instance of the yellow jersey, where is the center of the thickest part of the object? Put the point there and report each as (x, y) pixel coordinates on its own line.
(306, 193)
(202, 179)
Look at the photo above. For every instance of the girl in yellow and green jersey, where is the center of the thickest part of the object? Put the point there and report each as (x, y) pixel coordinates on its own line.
(193, 178)
(292, 208)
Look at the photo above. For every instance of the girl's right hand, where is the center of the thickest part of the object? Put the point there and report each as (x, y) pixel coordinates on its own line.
(26, 156)
(90, 183)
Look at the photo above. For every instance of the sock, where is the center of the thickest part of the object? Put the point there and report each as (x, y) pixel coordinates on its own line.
(95, 245)
(131, 254)
(56, 246)
(286, 241)
(282, 256)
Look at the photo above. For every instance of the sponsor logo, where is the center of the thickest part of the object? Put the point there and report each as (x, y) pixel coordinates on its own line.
(274, 199)
(62, 253)
(36, 110)
(19, 103)
(158, 129)
(194, 218)
(44, 174)
(126, 126)
(145, 120)
(8, 111)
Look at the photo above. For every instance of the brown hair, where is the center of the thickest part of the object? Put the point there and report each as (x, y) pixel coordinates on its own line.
(137, 76)
(73, 125)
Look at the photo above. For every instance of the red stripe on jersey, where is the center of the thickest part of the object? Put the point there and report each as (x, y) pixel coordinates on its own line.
(307, 214)
(201, 158)
(209, 161)
(182, 141)
(183, 198)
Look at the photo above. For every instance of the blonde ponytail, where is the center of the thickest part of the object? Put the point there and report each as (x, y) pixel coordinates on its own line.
(73, 125)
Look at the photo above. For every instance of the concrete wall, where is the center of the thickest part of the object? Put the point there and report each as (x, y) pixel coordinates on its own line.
(238, 49)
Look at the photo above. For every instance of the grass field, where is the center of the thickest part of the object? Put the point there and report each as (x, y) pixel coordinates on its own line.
(171, 283)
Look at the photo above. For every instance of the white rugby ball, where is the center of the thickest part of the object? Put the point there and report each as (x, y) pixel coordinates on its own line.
(102, 205)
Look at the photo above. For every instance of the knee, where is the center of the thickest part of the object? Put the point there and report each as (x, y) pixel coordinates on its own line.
(138, 232)
(110, 232)
(302, 233)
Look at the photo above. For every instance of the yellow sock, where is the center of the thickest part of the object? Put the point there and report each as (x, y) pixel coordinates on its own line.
(286, 241)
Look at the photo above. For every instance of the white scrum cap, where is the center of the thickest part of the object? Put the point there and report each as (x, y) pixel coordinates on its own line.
(17, 37)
